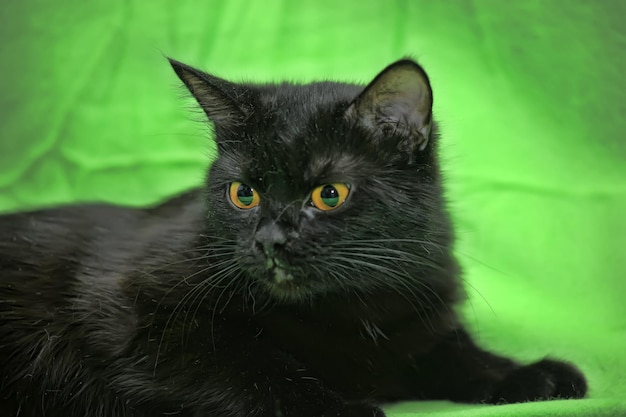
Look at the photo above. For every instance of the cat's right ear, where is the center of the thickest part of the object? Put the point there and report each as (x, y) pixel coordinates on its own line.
(397, 103)
(217, 97)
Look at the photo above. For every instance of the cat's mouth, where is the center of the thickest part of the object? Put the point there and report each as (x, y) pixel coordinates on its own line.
(281, 276)
(282, 280)
(279, 271)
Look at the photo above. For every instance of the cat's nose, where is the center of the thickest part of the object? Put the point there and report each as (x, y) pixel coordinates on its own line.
(269, 237)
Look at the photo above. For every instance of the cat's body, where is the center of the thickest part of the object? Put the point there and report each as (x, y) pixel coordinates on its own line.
(313, 276)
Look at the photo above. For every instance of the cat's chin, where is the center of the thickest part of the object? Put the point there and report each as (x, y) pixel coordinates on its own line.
(282, 286)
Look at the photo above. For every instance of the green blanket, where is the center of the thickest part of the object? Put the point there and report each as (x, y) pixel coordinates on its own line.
(530, 97)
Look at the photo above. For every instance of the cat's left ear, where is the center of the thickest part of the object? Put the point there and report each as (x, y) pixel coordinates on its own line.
(397, 102)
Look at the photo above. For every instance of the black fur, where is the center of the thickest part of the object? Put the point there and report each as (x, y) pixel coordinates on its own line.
(199, 308)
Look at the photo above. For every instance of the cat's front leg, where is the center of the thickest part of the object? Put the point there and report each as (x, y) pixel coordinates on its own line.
(285, 388)
(459, 370)
(324, 409)
(251, 379)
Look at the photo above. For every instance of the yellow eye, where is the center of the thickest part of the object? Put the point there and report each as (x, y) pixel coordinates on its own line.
(243, 196)
(330, 196)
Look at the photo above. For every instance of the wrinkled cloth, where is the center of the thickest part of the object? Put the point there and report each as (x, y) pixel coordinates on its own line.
(530, 97)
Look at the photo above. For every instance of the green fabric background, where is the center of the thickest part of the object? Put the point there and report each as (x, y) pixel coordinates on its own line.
(530, 96)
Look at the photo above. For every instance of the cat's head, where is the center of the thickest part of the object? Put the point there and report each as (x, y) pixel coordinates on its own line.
(325, 187)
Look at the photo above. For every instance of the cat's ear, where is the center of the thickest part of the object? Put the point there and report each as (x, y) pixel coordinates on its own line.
(397, 102)
(220, 99)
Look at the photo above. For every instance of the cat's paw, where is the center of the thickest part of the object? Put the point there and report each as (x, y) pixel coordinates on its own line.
(543, 380)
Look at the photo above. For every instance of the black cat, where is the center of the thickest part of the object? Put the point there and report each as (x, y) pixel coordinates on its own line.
(312, 276)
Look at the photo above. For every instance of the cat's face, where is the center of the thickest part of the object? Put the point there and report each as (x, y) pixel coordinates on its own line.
(324, 187)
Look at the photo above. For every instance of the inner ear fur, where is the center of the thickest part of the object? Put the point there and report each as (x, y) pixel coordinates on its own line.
(398, 102)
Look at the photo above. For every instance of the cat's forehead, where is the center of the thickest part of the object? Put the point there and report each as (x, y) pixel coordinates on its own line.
(298, 137)
(295, 106)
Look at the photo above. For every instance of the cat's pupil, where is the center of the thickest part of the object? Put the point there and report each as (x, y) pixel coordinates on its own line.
(330, 195)
(245, 194)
